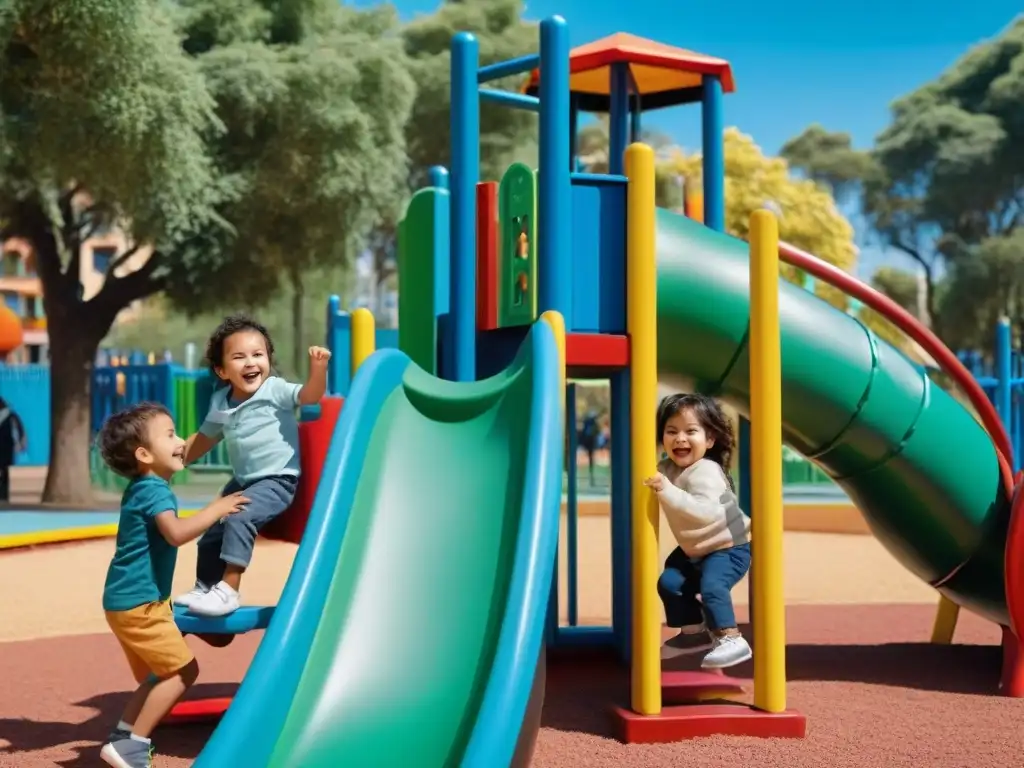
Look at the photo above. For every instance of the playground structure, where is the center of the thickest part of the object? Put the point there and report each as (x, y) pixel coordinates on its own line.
(494, 412)
(476, 449)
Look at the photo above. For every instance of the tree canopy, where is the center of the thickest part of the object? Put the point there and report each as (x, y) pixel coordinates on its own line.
(942, 184)
(505, 134)
(808, 217)
(502, 33)
(234, 140)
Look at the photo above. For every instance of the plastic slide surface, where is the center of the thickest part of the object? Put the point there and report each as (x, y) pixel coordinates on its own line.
(410, 630)
(919, 466)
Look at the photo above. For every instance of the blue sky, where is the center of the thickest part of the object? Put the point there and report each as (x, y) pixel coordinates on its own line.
(795, 63)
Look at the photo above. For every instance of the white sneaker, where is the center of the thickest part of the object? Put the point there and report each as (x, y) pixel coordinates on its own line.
(189, 598)
(219, 601)
(729, 651)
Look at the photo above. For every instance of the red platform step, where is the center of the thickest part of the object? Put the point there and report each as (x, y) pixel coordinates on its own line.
(691, 721)
(197, 711)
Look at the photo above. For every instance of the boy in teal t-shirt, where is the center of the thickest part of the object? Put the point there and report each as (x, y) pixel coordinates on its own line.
(142, 445)
(143, 565)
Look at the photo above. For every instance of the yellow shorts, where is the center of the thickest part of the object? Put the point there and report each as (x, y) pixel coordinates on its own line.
(151, 640)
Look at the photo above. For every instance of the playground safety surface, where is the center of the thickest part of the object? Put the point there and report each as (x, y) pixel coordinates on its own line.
(875, 695)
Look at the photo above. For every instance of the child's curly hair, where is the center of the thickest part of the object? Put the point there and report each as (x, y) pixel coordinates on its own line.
(123, 433)
(711, 417)
(228, 327)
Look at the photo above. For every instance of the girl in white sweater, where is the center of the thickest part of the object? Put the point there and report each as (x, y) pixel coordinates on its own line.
(699, 503)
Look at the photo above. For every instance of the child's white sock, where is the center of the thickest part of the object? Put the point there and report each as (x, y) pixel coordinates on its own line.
(143, 739)
(123, 726)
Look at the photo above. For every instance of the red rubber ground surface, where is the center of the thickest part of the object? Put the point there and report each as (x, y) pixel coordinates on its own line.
(874, 693)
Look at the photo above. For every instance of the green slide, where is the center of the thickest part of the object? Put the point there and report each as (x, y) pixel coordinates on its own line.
(410, 631)
(917, 464)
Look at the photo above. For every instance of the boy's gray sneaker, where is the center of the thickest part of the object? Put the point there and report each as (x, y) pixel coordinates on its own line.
(127, 753)
(118, 734)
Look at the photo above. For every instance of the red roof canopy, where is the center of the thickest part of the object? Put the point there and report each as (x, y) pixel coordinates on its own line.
(664, 75)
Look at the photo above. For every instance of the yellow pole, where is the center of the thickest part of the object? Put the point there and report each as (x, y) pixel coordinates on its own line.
(557, 323)
(363, 338)
(766, 477)
(641, 322)
(946, 615)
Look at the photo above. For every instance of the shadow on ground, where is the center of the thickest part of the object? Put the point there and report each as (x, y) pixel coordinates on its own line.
(580, 694)
(85, 738)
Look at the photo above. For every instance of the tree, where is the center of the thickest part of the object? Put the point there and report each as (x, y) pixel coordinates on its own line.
(983, 286)
(502, 34)
(829, 159)
(808, 217)
(945, 175)
(505, 134)
(230, 139)
(898, 285)
(592, 151)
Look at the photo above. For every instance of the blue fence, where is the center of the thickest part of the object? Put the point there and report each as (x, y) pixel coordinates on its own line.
(26, 388)
(339, 341)
(141, 382)
(1002, 378)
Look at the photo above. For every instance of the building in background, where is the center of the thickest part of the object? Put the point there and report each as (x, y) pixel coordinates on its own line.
(22, 290)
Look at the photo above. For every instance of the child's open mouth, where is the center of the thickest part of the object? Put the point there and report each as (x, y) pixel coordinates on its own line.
(681, 453)
(251, 378)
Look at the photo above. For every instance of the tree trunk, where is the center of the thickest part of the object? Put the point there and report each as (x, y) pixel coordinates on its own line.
(73, 345)
(298, 337)
(75, 329)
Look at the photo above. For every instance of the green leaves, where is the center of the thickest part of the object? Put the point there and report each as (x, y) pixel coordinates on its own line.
(943, 183)
(99, 92)
(313, 151)
(502, 33)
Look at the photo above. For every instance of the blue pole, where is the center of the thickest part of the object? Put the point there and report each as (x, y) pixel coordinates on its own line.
(572, 506)
(333, 375)
(439, 176)
(554, 219)
(744, 462)
(618, 118)
(574, 118)
(622, 609)
(635, 107)
(713, 139)
(465, 152)
(1004, 375)
(744, 498)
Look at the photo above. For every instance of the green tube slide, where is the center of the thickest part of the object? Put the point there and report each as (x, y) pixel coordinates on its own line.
(918, 465)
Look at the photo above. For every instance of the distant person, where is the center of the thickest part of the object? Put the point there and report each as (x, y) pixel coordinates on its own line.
(13, 441)
(140, 444)
(699, 502)
(253, 411)
(589, 437)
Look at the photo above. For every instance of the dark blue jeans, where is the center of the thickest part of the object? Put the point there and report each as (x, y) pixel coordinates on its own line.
(233, 538)
(711, 577)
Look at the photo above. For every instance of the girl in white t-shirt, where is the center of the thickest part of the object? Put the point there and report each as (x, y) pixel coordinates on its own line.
(699, 503)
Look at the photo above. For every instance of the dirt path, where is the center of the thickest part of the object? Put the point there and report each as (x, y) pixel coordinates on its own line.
(59, 587)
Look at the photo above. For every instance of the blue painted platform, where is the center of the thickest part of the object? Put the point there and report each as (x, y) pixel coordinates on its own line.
(245, 619)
